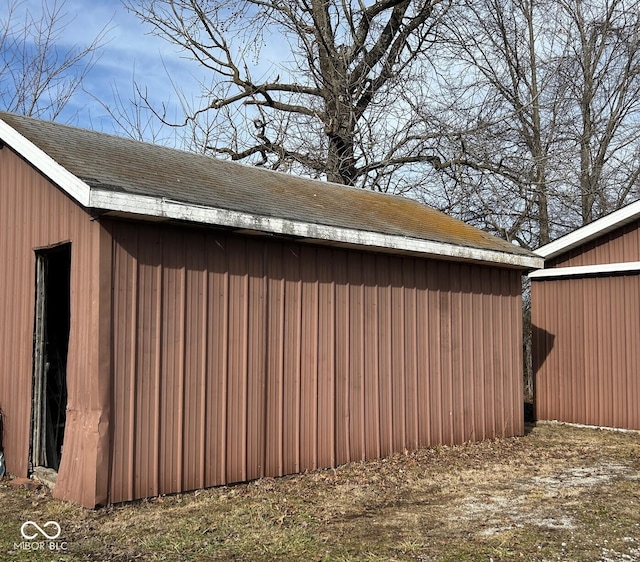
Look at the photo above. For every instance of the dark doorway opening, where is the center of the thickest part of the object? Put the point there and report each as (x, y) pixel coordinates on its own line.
(51, 343)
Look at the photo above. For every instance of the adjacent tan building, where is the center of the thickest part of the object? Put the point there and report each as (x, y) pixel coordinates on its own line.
(172, 321)
(586, 324)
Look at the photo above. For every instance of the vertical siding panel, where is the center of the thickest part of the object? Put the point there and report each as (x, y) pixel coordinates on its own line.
(488, 368)
(326, 359)
(423, 355)
(146, 452)
(123, 365)
(498, 371)
(617, 306)
(371, 359)
(398, 369)
(512, 307)
(603, 345)
(539, 347)
(343, 352)
(563, 382)
(456, 329)
(236, 439)
(632, 353)
(587, 338)
(195, 360)
(435, 346)
(292, 360)
(511, 372)
(468, 351)
(357, 336)
(172, 377)
(256, 367)
(577, 380)
(478, 325)
(309, 361)
(410, 351)
(130, 383)
(554, 359)
(218, 346)
(458, 406)
(446, 354)
(275, 363)
(385, 354)
(203, 389)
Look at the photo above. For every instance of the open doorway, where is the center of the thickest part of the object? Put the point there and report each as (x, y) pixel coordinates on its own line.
(51, 343)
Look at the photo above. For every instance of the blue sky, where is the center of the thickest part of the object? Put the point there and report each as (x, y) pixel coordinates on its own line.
(129, 53)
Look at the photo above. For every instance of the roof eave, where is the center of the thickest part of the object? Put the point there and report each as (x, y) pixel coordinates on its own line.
(136, 205)
(590, 231)
(180, 211)
(59, 175)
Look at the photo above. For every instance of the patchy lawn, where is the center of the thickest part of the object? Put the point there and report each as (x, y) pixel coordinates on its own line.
(558, 493)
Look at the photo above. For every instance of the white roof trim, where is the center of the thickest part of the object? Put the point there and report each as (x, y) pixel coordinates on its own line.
(582, 270)
(590, 231)
(170, 209)
(70, 183)
(161, 207)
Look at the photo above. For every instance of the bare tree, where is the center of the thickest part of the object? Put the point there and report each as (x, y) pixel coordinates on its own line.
(336, 101)
(547, 105)
(39, 77)
(602, 73)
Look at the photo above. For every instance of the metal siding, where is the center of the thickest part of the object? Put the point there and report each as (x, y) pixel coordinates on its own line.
(34, 214)
(195, 361)
(357, 340)
(620, 245)
(438, 417)
(399, 370)
(371, 372)
(236, 422)
(343, 315)
(385, 358)
(586, 350)
(292, 358)
(327, 347)
(217, 344)
(148, 373)
(423, 355)
(309, 361)
(239, 357)
(257, 342)
(275, 363)
(410, 346)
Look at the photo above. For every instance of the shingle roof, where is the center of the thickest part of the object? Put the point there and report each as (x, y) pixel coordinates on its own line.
(122, 166)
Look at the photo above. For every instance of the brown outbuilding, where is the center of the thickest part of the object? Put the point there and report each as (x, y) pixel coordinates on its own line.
(173, 321)
(585, 312)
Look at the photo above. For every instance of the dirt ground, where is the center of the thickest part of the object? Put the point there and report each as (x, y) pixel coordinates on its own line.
(558, 493)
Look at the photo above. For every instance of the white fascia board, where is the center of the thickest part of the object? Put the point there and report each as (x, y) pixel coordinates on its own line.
(72, 185)
(169, 209)
(590, 231)
(584, 270)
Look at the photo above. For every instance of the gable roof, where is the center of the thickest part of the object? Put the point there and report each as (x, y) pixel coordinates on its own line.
(115, 175)
(583, 235)
(590, 231)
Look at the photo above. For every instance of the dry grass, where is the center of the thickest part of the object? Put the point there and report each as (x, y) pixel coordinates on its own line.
(558, 493)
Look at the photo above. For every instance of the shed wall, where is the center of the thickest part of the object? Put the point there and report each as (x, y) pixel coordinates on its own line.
(34, 214)
(241, 357)
(586, 350)
(620, 245)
